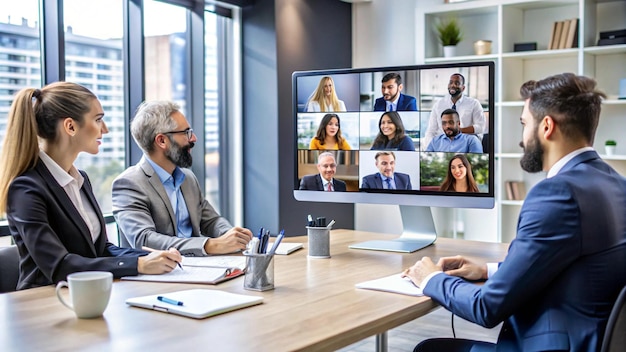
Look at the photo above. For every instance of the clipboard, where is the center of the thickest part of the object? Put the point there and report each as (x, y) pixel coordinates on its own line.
(197, 303)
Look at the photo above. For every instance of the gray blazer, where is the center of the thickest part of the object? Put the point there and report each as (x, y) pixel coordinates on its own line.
(145, 217)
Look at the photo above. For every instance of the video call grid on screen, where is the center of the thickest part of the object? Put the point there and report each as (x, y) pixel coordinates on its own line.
(359, 89)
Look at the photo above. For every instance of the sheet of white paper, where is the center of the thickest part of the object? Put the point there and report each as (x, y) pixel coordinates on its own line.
(393, 283)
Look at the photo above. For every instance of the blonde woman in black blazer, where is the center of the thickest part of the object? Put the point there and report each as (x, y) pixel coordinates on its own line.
(50, 206)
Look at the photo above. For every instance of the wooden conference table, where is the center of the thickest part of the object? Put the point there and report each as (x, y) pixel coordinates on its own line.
(314, 306)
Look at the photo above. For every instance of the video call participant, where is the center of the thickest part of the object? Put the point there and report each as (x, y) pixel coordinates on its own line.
(53, 215)
(563, 272)
(386, 177)
(391, 134)
(453, 140)
(324, 98)
(324, 180)
(471, 114)
(393, 99)
(328, 134)
(158, 202)
(459, 177)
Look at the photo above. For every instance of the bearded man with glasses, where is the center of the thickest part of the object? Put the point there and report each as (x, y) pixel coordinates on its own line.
(158, 203)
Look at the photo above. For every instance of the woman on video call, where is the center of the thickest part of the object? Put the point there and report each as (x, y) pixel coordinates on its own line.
(391, 134)
(52, 212)
(328, 135)
(324, 99)
(459, 177)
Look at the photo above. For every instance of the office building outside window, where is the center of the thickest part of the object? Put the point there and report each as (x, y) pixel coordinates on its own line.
(93, 58)
(20, 58)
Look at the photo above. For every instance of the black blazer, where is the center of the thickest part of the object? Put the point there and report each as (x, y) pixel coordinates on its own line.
(51, 236)
(314, 183)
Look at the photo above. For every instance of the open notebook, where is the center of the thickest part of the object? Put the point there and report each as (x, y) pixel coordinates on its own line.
(200, 270)
(393, 283)
(197, 303)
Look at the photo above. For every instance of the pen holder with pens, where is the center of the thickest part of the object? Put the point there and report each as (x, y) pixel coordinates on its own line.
(259, 272)
(319, 241)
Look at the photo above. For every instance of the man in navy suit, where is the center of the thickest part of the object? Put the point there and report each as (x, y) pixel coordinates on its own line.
(564, 269)
(324, 180)
(393, 99)
(386, 178)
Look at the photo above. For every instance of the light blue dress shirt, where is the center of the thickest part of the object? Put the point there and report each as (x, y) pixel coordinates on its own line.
(461, 143)
(172, 184)
(388, 185)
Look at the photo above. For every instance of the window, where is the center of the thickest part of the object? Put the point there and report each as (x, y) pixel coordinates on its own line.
(95, 42)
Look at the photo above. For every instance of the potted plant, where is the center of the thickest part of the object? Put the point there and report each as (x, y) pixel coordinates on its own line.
(449, 33)
(610, 145)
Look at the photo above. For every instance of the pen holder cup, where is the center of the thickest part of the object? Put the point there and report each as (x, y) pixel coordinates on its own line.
(259, 272)
(319, 242)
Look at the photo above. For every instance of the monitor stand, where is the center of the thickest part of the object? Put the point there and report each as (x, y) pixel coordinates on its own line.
(419, 232)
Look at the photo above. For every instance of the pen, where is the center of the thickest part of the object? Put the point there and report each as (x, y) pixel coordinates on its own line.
(180, 265)
(330, 224)
(310, 222)
(170, 301)
(277, 242)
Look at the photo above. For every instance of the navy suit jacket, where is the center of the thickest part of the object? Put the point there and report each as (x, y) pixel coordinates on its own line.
(314, 183)
(405, 103)
(563, 271)
(403, 181)
(52, 238)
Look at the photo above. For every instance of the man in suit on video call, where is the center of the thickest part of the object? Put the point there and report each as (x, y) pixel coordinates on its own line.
(386, 178)
(393, 99)
(158, 203)
(324, 180)
(555, 289)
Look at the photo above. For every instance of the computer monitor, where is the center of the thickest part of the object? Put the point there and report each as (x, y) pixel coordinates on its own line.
(387, 154)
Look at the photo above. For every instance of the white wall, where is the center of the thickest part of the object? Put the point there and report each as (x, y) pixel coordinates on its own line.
(384, 35)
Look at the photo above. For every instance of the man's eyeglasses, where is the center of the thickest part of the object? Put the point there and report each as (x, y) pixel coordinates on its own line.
(188, 131)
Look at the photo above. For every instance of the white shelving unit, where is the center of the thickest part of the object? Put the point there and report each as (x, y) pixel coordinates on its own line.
(506, 22)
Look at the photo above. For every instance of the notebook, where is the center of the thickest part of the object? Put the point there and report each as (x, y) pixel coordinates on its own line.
(285, 248)
(197, 303)
(216, 261)
(192, 274)
(393, 283)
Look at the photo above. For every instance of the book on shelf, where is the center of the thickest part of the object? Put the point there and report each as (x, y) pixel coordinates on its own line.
(572, 34)
(515, 190)
(564, 34)
(552, 36)
(557, 35)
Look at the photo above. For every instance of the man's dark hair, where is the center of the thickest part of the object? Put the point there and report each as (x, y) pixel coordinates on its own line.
(450, 112)
(392, 75)
(462, 77)
(572, 101)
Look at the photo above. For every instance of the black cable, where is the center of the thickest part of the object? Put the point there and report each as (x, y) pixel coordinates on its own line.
(452, 323)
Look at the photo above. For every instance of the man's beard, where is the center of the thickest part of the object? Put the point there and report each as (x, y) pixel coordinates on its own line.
(457, 92)
(454, 131)
(180, 155)
(532, 160)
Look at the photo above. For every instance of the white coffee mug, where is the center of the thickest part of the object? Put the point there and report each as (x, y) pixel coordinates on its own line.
(89, 292)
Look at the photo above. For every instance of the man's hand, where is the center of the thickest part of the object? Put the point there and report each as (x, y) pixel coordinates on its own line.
(236, 239)
(158, 262)
(459, 266)
(418, 272)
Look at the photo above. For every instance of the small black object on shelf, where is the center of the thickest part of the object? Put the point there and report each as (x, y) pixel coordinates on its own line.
(525, 46)
(612, 37)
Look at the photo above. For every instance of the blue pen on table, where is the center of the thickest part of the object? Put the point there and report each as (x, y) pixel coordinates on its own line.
(277, 242)
(169, 301)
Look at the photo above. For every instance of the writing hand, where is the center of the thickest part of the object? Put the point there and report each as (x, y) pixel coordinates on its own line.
(159, 262)
(461, 267)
